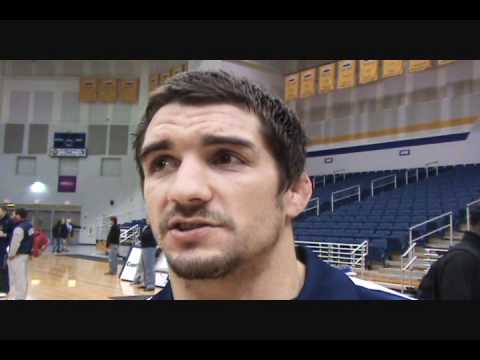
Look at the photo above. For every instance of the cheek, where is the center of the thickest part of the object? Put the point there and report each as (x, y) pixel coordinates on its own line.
(155, 201)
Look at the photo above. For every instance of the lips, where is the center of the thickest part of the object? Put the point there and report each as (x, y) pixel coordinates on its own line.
(192, 230)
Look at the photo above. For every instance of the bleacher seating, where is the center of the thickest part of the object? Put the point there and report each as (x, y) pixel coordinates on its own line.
(385, 219)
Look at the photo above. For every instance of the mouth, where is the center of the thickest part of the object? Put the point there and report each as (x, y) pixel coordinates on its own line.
(182, 225)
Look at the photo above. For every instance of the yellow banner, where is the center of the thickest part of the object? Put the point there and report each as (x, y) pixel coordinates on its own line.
(178, 69)
(162, 78)
(307, 83)
(291, 87)
(368, 71)
(419, 65)
(107, 90)
(153, 83)
(392, 68)
(326, 78)
(88, 90)
(346, 74)
(445, 62)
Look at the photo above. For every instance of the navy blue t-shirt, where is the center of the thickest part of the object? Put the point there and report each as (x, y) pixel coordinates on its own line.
(323, 282)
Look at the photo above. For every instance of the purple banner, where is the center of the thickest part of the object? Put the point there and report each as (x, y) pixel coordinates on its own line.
(67, 184)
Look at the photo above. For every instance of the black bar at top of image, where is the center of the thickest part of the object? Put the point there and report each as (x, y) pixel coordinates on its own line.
(238, 39)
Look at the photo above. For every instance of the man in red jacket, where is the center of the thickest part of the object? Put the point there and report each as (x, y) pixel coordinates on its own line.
(40, 241)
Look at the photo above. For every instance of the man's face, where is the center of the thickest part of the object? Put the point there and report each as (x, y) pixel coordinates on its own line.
(2, 214)
(211, 189)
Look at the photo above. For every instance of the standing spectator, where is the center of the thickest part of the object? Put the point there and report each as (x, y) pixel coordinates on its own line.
(59, 233)
(40, 241)
(19, 252)
(456, 276)
(6, 229)
(113, 241)
(149, 247)
(69, 226)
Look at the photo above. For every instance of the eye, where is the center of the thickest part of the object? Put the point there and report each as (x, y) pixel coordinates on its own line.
(162, 164)
(226, 158)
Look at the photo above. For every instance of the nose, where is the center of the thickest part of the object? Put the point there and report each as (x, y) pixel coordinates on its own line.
(190, 184)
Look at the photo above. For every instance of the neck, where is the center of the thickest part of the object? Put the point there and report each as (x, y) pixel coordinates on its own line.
(276, 275)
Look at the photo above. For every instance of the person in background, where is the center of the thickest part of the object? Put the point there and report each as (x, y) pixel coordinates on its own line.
(19, 252)
(6, 229)
(40, 240)
(69, 237)
(113, 241)
(59, 231)
(149, 247)
(456, 275)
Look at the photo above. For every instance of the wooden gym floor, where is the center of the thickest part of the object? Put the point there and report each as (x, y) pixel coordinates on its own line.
(62, 277)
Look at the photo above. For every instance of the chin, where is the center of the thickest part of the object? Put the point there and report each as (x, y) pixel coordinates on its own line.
(203, 264)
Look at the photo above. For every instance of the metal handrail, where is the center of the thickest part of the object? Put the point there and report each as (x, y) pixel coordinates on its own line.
(410, 252)
(339, 172)
(450, 225)
(332, 200)
(469, 226)
(428, 166)
(386, 184)
(340, 254)
(133, 232)
(314, 207)
(407, 177)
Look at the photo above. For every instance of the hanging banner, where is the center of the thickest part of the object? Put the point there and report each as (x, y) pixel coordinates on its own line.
(291, 87)
(88, 90)
(392, 68)
(178, 69)
(326, 78)
(162, 78)
(445, 62)
(128, 91)
(368, 71)
(307, 83)
(107, 91)
(419, 65)
(67, 184)
(346, 74)
(153, 83)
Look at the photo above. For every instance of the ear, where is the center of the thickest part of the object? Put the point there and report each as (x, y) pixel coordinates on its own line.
(298, 196)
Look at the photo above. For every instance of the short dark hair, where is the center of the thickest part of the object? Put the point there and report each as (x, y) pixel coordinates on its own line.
(114, 219)
(475, 215)
(280, 127)
(22, 213)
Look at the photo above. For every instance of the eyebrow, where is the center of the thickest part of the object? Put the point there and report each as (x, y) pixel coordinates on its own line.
(209, 140)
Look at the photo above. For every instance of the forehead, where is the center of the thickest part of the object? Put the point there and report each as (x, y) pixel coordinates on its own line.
(221, 119)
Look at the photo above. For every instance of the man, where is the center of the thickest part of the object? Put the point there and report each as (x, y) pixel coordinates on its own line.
(69, 237)
(113, 241)
(19, 253)
(60, 234)
(456, 276)
(221, 165)
(6, 229)
(149, 248)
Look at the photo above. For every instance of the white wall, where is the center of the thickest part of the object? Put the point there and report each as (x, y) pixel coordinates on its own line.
(94, 192)
(452, 153)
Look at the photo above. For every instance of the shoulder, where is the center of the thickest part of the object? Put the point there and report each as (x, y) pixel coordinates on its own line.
(18, 230)
(324, 282)
(369, 290)
(164, 295)
(459, 258)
